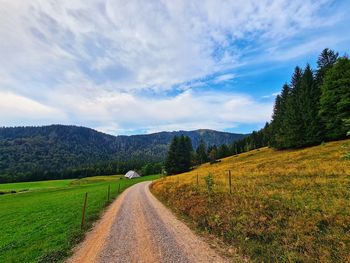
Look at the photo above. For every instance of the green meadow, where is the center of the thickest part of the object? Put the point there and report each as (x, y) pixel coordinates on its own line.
(41, 221)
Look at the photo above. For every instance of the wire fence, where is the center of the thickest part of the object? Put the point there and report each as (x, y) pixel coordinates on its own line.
(112, 191)
(224, 182)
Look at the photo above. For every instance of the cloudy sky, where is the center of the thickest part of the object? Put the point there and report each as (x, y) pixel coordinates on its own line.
(127, 67)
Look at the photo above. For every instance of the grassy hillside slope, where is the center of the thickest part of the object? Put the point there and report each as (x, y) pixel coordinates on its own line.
(285, 206)
(42, 223)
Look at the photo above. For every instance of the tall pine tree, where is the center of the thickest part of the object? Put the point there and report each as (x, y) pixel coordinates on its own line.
(189, 152)
(171, 159)
(309, 98)
(201, 153)
(335, 100)
(293, 124)
(279, 118)
(179, 157)
(325, 61)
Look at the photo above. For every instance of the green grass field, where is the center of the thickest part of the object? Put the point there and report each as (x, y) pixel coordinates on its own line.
(42, 223)
(23, 187)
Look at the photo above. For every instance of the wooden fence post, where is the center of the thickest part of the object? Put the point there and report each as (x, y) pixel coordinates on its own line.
(229, 180)
(83, 214)
(109, 192)
(119, 188)
(197, 181)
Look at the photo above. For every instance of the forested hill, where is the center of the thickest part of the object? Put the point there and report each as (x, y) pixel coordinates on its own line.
(58, 151)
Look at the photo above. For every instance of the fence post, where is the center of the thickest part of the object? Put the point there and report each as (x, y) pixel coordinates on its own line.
(119, 188)
(83, 214)
(197, 181)
(109, 191)
(229, 180)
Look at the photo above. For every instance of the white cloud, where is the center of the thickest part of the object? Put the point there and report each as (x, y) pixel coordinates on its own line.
(14, 108)
(137, 44)
(224, 77)
(91, 61)
(125, 113)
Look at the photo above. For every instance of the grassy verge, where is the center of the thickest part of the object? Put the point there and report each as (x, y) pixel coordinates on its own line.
(43, 223)
(286, 206)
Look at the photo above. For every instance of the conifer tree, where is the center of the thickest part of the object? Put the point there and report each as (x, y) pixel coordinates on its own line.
(181, 154)
(179, 157)
(309, 105)
(223, 151)
(201, 153)
(189, 146)
(266, 131)
(275, 123)
(325, 61)
(292, 120)
(212, 153)
(335, 100)
(184, 154)
(296, 79)
(189, 152)
(171, 159)
(278, 127)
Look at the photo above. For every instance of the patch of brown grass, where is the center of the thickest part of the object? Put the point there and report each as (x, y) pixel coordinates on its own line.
(285, 205)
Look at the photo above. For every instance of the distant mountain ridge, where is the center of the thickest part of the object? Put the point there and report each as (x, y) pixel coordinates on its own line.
(26, 151)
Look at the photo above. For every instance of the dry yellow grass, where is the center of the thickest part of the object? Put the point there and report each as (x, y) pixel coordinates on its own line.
(322, 160)
(285, 206)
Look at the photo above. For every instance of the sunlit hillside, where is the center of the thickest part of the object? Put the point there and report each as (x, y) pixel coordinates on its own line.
(286, 206)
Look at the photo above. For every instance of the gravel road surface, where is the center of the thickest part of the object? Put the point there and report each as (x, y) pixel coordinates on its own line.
(138, 228)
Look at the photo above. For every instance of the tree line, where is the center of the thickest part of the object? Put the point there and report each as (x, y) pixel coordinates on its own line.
(181, 155)
(60, 151)
(313, 107)
(143, 167)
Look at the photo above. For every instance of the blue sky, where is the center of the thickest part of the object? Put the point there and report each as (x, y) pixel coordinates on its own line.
(129, 67)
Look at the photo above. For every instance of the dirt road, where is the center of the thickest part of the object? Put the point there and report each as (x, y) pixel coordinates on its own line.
(138, 228)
